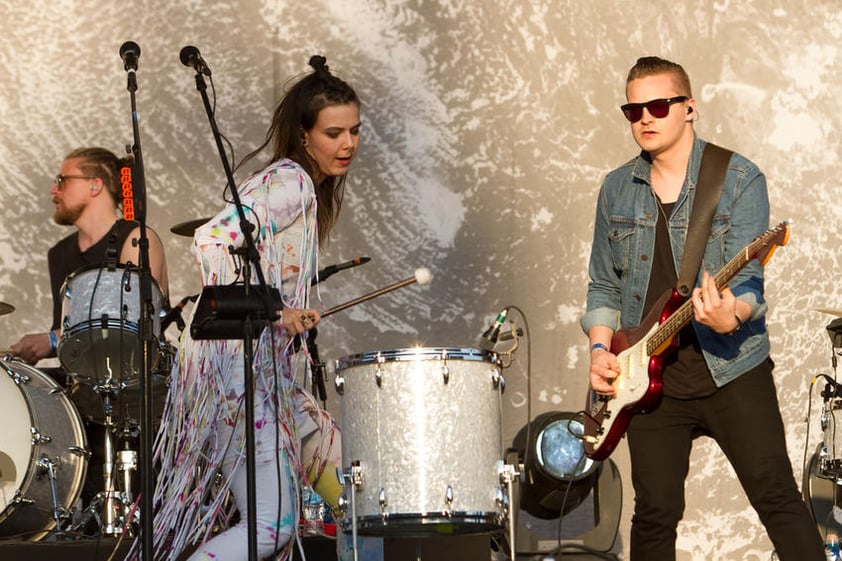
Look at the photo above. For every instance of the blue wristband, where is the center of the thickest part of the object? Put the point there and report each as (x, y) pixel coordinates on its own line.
(596, 346)
(53, 340)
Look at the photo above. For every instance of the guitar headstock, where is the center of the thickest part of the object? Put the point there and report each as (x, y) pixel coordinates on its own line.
(770, 240)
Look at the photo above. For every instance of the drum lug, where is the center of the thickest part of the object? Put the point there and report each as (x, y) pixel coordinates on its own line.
(356, 474)
(498, 380)
(501, 499)
(79, 451)
(20, 500)
(37, 438)
(445, 370)
(339, 384)
(378, 372)
(381, 499)
(342, 504)
(448, 498)
(18, 379)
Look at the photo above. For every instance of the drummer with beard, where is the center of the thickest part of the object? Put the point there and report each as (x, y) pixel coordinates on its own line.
(86, 194)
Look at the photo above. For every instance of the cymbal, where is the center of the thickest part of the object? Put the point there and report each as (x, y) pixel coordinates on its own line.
(188, 228)
(6, 308)
(837, 313)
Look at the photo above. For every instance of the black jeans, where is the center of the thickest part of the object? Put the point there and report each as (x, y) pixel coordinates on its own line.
(744, 419)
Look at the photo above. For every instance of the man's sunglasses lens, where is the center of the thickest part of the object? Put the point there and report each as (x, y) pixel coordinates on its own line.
(658, 108)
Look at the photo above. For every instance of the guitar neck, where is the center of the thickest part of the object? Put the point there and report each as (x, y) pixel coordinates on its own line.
(684, 313)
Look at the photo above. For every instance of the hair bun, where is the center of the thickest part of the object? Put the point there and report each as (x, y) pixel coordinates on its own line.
(319, 63)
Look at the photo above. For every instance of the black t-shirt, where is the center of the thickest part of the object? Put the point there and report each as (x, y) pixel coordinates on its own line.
(686, 374)
(64, 258)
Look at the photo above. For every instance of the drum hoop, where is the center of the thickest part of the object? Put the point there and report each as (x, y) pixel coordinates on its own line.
(128, 268)
(121, 325)
(416, 354)
(422, 524)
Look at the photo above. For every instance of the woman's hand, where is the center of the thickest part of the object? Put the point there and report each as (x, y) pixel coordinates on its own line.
(299, 320)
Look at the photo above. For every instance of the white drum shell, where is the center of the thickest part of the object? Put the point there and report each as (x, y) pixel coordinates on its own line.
(423, 424)
(101, 312)
(32, 404)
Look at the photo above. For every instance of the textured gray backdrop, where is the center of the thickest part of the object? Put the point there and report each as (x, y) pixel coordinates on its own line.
(488, 126)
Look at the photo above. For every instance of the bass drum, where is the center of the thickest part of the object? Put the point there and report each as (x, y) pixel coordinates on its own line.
(42, 441)
(823, 496)
(422, 428)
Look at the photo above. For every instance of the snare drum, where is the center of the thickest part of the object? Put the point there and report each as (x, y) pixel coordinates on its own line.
(421, 431)
(101, 312)
(42, 433)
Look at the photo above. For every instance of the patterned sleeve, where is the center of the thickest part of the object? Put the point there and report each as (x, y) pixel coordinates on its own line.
(280, 203)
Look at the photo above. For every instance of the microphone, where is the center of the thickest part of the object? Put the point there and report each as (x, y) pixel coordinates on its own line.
(333, 269)
(130, 52)
(174, 314)
(191, 57)
(489, 337)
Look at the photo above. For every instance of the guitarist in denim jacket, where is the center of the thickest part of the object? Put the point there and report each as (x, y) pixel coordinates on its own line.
(718, 381)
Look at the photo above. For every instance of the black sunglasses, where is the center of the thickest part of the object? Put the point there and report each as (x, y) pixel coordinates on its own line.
(658, 108)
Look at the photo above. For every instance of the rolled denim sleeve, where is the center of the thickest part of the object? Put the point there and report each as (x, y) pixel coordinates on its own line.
(604, 287)
(749, 219)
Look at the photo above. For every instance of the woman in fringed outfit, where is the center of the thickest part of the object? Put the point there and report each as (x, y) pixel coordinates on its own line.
(293, 202)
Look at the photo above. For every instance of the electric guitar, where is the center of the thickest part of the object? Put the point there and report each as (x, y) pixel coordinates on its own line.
(642, 351)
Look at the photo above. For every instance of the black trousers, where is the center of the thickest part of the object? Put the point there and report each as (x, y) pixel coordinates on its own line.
(744, 419)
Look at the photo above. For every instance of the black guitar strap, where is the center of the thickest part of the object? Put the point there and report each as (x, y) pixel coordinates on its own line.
(712, 171)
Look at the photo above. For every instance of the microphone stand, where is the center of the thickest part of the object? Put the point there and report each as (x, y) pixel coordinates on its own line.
(252, 321)
(147, 485)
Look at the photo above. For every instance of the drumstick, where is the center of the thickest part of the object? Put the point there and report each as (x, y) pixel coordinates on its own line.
(422, 276)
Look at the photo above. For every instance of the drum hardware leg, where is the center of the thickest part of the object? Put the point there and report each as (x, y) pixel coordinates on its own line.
(353, 478)
(60, 514)
(508, 475)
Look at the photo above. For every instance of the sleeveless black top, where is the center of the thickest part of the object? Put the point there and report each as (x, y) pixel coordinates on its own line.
(64, 258)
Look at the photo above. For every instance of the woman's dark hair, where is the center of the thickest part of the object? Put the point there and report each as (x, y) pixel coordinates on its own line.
(297, 112)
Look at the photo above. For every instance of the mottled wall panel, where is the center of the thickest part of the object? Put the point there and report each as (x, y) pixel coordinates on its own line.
(488, 126)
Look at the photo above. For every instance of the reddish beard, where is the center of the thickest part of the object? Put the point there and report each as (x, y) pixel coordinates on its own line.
(64, 216)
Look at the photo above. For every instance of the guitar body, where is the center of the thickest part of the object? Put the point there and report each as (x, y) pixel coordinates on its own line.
(642, 351)
(639, 384)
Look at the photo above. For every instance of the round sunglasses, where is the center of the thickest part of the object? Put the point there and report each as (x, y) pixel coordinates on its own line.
(658, 108)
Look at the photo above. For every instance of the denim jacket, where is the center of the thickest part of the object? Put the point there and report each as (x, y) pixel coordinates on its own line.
(624, 240)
